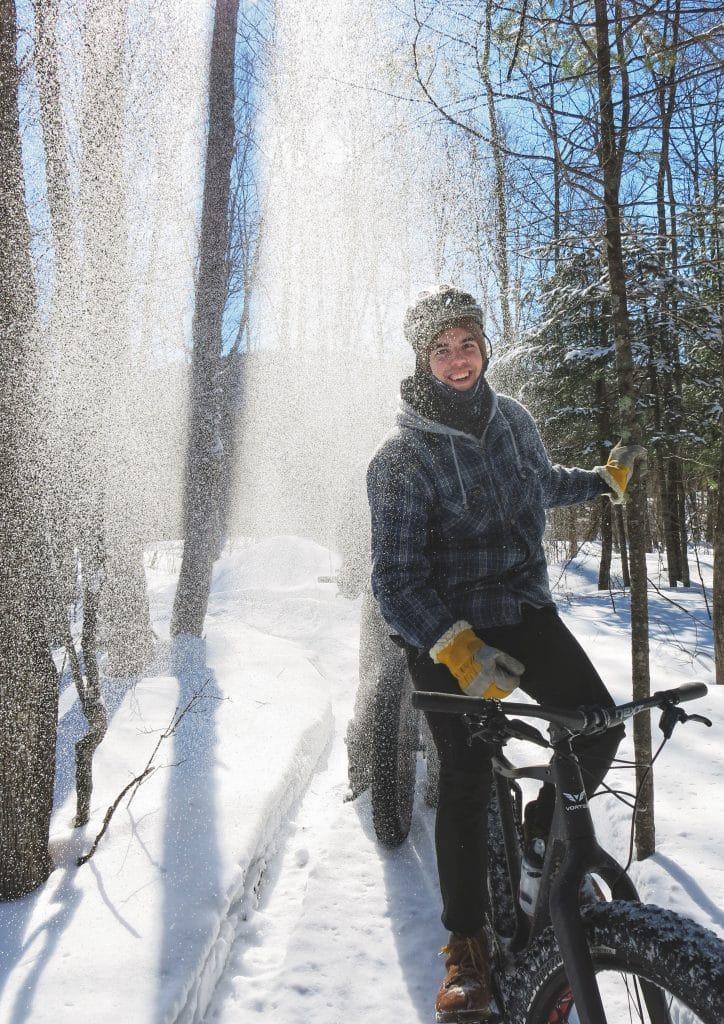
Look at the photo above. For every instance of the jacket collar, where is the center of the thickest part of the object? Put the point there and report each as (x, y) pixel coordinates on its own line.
(408, 418)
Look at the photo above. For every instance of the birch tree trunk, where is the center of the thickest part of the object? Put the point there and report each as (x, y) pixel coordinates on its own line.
(500, 197)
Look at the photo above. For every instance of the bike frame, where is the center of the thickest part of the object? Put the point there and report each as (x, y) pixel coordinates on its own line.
(572, 849)
(572, 852)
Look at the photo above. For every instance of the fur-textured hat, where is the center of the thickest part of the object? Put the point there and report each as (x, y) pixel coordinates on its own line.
(434, 310)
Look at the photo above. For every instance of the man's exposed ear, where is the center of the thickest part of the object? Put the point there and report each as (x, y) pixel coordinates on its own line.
(485, 348)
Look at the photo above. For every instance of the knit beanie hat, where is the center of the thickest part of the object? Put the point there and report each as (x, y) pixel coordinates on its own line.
(434, 310)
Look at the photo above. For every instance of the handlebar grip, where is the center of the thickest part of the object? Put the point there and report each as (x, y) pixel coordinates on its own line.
(451, 703)
(689, 691)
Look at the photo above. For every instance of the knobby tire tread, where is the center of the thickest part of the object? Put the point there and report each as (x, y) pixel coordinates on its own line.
(656, 944)
(394, 753)
(502, 899)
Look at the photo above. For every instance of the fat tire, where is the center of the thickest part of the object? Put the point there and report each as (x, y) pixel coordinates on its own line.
(502, 900)
(655, 944)
(432, 763)
(395, 741)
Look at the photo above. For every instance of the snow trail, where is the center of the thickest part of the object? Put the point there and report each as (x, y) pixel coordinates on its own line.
(343, 927)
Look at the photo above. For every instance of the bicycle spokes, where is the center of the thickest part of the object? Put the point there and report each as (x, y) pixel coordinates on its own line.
(623, 1001)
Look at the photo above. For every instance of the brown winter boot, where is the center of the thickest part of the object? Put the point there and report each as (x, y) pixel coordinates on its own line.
(465, 993)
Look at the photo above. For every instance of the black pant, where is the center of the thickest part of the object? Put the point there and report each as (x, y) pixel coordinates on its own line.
(557, 672)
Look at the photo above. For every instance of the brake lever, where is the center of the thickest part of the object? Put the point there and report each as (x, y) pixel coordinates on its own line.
(499, 729)
(672, 715)
(491, 729)
(523, 731)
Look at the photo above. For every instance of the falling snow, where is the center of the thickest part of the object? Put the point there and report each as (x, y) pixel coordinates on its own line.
(238, 884)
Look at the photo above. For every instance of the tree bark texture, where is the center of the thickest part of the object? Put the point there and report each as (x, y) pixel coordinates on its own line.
(28, 681)
(604, 433)
(604, 565)
(612, 149)
(57, 374)
(206, 458)
(91, 701)
(718, 596)
(619, 521)
(671, 403)
(500, 198)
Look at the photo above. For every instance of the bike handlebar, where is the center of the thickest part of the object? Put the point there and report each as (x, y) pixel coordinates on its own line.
(576, 720)
(689, 691)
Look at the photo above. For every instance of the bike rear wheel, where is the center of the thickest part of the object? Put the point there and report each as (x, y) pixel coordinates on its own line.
(432, 763)
(395, 742)
(652, 967)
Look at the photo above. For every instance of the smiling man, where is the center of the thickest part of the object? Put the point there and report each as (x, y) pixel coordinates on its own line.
(456, 357)
(457, 496)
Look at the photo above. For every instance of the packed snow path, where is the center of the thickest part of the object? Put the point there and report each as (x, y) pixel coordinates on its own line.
(344, 928)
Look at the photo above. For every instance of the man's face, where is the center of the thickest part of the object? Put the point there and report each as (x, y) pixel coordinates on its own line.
(456, 359)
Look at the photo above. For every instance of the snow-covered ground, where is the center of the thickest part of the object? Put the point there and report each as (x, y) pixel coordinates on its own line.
(237, 883)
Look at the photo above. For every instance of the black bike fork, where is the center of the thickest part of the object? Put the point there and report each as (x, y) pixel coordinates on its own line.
(579, 852)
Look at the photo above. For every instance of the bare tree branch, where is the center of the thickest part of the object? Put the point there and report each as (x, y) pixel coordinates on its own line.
(150, 768)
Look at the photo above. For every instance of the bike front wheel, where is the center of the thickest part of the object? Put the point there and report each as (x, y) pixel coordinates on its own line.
(652, 967)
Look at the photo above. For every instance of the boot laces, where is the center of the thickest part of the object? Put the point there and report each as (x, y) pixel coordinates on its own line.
(467, 953)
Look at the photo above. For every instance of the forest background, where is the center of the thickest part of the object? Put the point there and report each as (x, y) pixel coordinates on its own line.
(211, 220)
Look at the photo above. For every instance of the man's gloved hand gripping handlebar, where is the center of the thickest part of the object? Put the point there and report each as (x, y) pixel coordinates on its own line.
(480, 670)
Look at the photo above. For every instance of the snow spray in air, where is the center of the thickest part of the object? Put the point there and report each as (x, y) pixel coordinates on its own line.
(121, 87)
(341, 255)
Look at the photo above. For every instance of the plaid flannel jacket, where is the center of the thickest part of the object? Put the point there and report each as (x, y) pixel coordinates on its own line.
(458, 521)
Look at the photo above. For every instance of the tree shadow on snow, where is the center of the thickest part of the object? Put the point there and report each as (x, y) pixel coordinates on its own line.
(190, 854)
(413, 897)
(693, 889)
(39, 945)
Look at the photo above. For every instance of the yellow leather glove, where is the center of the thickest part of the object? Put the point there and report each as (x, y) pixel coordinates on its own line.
(617, 471)
(481, 670)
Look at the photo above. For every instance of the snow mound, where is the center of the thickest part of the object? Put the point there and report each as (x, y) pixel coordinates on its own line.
(279, 585)
(274, 563)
